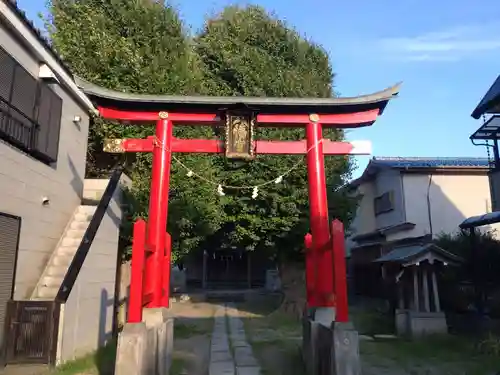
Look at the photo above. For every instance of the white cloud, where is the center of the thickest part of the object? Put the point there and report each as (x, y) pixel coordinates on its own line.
(448, 45)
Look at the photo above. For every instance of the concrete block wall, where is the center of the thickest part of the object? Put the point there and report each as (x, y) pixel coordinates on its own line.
(87, 317)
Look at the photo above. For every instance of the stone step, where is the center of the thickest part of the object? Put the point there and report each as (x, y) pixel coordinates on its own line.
(75, 233)
(79, 225)
(52, 281)
(82, 217)
(47, 292)
(62, 260)
(54, 270)
(253, 370)
(221, 368)
(70, 241)
(88, 210)
(67, 250)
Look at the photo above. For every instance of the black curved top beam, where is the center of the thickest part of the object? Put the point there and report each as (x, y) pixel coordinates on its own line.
(139, 102)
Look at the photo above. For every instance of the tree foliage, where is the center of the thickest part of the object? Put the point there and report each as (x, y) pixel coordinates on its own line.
(480, 255)
(141, 46)
(247, 52)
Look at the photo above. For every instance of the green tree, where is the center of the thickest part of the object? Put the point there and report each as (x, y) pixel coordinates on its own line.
(481, 255)
(139, 47)
(248, 52)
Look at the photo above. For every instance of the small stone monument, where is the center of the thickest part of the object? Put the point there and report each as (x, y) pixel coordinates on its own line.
(273, 281)
(414, 267)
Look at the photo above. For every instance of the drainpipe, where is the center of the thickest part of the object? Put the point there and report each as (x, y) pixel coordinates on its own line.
(429, 213)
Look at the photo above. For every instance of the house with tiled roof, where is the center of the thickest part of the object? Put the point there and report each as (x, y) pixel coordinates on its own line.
(58, 230)
(408, 201)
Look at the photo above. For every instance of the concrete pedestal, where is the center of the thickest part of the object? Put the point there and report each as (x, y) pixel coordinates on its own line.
(131, 352)
(330, 350)
(324, 316)
(146, 348)
(345, 350)
(417, 324)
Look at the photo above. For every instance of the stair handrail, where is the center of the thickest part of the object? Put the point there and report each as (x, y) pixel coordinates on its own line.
(88, 238)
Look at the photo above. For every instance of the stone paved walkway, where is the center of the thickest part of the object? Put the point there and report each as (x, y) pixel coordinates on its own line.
(230, 354)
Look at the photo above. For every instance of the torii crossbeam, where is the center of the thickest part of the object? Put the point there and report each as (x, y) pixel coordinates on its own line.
(242, 117)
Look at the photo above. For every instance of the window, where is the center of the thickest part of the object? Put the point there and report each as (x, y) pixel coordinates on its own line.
(384, 203)
(30, 111)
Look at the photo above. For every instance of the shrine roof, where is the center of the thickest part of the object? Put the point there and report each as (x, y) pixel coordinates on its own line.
(266, 105)
(413, 254)
(490, 103)
(481, 220)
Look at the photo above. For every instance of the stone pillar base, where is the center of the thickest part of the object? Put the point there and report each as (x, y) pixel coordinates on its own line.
(345, 350)
(132, 350)
(417, 323)
(330, 350)
(146, 348)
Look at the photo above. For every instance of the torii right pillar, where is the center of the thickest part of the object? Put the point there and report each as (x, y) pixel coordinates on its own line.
(326, 276)
(322, 294)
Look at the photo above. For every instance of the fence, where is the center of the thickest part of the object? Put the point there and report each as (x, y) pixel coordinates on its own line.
(32, 331)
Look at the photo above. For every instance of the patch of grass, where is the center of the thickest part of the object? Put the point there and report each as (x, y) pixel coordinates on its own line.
(279, 358)
(446, 355)
(273, 338)
(183, 330)
(371, 322)
(261, 304)
(101, 362)
(177, 366)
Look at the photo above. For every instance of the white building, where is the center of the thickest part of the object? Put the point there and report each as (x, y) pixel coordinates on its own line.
(409, 201)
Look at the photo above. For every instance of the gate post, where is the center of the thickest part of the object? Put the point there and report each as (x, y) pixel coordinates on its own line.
(167, 272)
(339, 271)
(158, 206)
(320, 227)
(137, 272)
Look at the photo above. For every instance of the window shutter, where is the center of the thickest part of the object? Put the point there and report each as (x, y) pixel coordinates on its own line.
(49, 120)
(24, 92)
(7, 66)
(23, 99)
(43, 119)
(55, 126)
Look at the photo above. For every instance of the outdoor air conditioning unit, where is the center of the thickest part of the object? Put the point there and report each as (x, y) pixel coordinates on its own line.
(494, 177)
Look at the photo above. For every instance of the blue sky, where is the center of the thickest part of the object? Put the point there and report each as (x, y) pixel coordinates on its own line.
(445, 52)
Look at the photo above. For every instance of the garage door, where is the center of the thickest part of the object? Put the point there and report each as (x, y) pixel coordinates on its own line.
(10, 227)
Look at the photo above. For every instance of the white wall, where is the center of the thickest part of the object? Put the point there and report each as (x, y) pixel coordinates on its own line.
(87, 320)
(453, 198)
(364, 221)
(24, 181)
(386, 181)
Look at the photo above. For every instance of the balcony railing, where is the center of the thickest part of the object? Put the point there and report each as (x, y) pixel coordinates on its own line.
(16, 128)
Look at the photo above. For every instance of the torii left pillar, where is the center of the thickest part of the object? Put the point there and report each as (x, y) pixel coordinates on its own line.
(158, 210)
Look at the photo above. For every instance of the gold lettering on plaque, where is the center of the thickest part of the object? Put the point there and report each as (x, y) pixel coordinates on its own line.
(239, 136)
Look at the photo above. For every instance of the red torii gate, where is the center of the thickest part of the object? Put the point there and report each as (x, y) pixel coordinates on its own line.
(151, 274)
